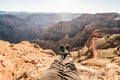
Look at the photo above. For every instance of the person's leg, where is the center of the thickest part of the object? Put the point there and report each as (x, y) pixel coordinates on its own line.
(54, 72)
(70, 71)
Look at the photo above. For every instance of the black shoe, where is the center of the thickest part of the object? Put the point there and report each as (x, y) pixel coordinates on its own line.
(61, 49)
(64, 50)
(67, 49)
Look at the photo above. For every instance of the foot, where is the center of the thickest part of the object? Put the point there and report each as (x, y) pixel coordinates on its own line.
(61, 49)
(64, 50)
(67, 49)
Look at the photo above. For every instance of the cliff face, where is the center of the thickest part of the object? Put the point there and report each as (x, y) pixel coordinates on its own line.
(81, 30)
(15, 27)
(77, 25)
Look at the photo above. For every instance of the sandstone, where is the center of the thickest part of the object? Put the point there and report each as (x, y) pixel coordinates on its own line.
(49, 51)
(22, 61)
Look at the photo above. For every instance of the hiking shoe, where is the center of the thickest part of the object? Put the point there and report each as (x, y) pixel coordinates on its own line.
(67, 49)
(61, 49)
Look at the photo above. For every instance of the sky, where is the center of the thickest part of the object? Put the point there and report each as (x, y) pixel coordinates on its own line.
(75, 6)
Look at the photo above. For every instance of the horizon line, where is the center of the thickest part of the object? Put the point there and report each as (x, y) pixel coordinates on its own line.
(55, 12)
